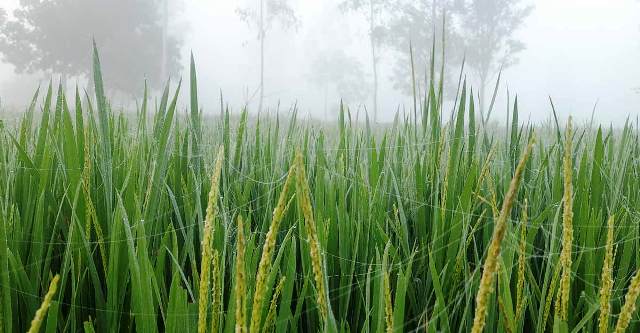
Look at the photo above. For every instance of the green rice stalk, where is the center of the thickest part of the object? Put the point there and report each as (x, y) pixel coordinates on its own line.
(302, 188)
(205, 274)
(491, 262)
(521, 262)
(629, 306)
(42, 311)
(240, 279)
(267, 253)
(269, 323)
(607, 280)
(567, 226)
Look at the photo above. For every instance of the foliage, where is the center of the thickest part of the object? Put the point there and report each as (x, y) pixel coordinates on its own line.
(51, 36)
(479, 32)
(422, 24)
(274, 12)
(489, 28)
(372, 10)
(340, 72)
(262, 17)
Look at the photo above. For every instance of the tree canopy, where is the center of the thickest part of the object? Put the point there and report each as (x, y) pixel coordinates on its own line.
(341, 73)
(262, 17)
(480, 32)
(54, 36)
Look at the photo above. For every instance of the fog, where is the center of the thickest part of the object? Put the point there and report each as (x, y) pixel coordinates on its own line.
(578, 52)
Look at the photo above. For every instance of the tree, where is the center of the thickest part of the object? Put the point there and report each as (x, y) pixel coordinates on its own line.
(423, 24)
(54, 35)
(335, 70)
(481, 32)
(372, 10)
(262, 19)
(488, 30)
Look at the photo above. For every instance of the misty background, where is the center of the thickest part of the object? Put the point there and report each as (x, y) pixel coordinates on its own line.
(315, 53)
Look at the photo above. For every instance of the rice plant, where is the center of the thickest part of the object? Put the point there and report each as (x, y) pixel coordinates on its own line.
(184, 221)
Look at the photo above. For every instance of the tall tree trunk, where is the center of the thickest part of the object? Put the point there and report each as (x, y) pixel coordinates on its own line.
(261, 56)
(374, 61)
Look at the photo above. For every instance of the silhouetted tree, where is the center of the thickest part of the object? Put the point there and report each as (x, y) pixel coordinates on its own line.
(341, 73)
(424, 24)
(372, 10)
(480, 31)
(55, 36)
(262, 20)
(488, 29)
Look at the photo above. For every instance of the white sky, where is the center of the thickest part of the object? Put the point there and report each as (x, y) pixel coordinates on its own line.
(578, 51)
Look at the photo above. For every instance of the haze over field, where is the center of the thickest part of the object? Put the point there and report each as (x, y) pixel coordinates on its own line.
(130, 202)
(576, 51)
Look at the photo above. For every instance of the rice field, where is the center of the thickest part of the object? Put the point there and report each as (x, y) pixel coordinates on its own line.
(176, 221)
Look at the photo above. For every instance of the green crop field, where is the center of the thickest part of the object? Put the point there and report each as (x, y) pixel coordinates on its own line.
(173, 221)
